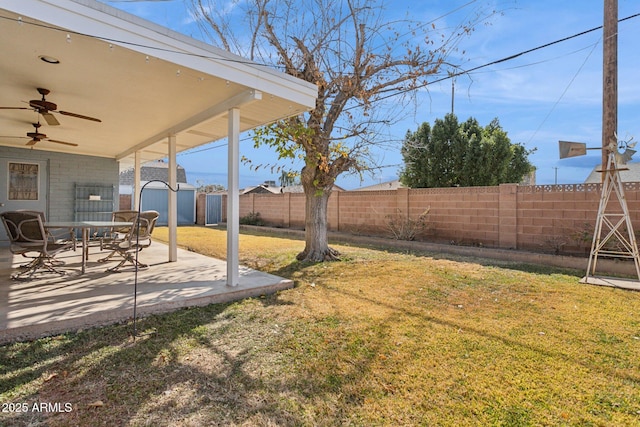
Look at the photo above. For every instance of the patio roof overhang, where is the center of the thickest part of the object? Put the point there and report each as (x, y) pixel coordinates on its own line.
(144, 82)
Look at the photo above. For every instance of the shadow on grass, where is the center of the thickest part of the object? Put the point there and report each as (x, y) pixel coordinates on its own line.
(402, 247)
(202, 362)
(132, 378)
(205, 366)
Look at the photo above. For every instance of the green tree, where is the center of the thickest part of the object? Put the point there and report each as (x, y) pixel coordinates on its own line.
(358, 59)
(414, 152)
(462, 154)
(287, 178)
(203, 187)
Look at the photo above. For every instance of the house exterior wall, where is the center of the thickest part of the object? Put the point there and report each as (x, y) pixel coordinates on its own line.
(543, 218)
(64, 171)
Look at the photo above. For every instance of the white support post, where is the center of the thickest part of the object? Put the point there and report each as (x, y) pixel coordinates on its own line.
(136, 182)
(173, 201)
(233, 198)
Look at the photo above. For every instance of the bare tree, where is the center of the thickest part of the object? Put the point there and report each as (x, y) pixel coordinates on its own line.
(367, 64)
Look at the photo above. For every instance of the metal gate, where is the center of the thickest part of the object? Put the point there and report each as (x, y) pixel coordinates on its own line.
(214, 209)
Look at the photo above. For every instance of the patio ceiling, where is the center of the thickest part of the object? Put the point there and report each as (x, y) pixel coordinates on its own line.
(143, 81)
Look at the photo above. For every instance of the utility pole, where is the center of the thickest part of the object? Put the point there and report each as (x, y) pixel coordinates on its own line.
(453, 91)
(609, 80)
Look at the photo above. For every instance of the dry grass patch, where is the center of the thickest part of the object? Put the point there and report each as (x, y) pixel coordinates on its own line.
(380, 338)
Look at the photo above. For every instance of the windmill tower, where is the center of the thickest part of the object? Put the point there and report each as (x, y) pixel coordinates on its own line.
(613, 236)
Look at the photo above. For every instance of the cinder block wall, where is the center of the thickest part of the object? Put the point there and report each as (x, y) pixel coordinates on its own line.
(562, 217)
(272, 208)
(296, 210)
(363, 212)
(544, 218)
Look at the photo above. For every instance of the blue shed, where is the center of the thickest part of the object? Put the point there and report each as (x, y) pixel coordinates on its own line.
(156, 197)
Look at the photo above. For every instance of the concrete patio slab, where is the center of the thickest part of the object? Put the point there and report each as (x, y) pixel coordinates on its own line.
(51, 304)
(614, 282)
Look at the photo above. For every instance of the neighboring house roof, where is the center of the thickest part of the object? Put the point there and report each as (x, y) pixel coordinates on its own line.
(151, 171)
(300, 189)
(269, 189)
(260, 189)
(630, 175)
(390, 185)
(528, 179)
(128, 188)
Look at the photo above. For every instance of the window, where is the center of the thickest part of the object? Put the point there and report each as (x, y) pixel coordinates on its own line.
(23, 181)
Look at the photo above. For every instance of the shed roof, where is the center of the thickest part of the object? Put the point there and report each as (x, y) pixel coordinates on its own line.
(157, 170)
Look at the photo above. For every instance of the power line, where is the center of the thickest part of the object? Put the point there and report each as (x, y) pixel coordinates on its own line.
(505, 59)
(562, 95)
(471, 70)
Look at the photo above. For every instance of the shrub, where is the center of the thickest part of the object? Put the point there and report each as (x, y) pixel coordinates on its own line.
(252, 218)
(404, 227)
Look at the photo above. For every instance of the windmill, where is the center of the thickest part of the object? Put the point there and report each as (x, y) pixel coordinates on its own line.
(613, 236)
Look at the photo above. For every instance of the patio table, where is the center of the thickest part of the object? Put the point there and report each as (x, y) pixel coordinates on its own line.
(85, 228)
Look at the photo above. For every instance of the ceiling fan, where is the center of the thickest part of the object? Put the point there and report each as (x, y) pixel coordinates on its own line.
(35, 137)
(45, 108)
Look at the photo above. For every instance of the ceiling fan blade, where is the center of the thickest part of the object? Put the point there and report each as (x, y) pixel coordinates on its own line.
(80, 116)
(50, 119)
(33, 142)
(15, 108)
(62, 142)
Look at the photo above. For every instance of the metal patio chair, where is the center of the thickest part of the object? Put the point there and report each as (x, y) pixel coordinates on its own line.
(29, 238)
(117, 233)
(136, 239)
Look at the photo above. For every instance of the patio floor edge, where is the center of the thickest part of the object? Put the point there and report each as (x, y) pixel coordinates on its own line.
(110, 317)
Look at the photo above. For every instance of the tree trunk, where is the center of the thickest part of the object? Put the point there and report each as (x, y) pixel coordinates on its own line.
(316, 242)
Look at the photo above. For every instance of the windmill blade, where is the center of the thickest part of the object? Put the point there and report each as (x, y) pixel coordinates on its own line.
(80, 116)
(626, 156)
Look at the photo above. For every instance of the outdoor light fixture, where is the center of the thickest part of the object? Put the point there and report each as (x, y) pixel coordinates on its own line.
(49, 59)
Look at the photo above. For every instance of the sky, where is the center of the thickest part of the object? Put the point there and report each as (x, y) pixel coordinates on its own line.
(551, 94)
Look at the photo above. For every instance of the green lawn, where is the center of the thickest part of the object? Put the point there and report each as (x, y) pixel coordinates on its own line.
(380, 338)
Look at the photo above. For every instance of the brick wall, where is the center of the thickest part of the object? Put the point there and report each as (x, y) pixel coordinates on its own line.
(544, 218)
